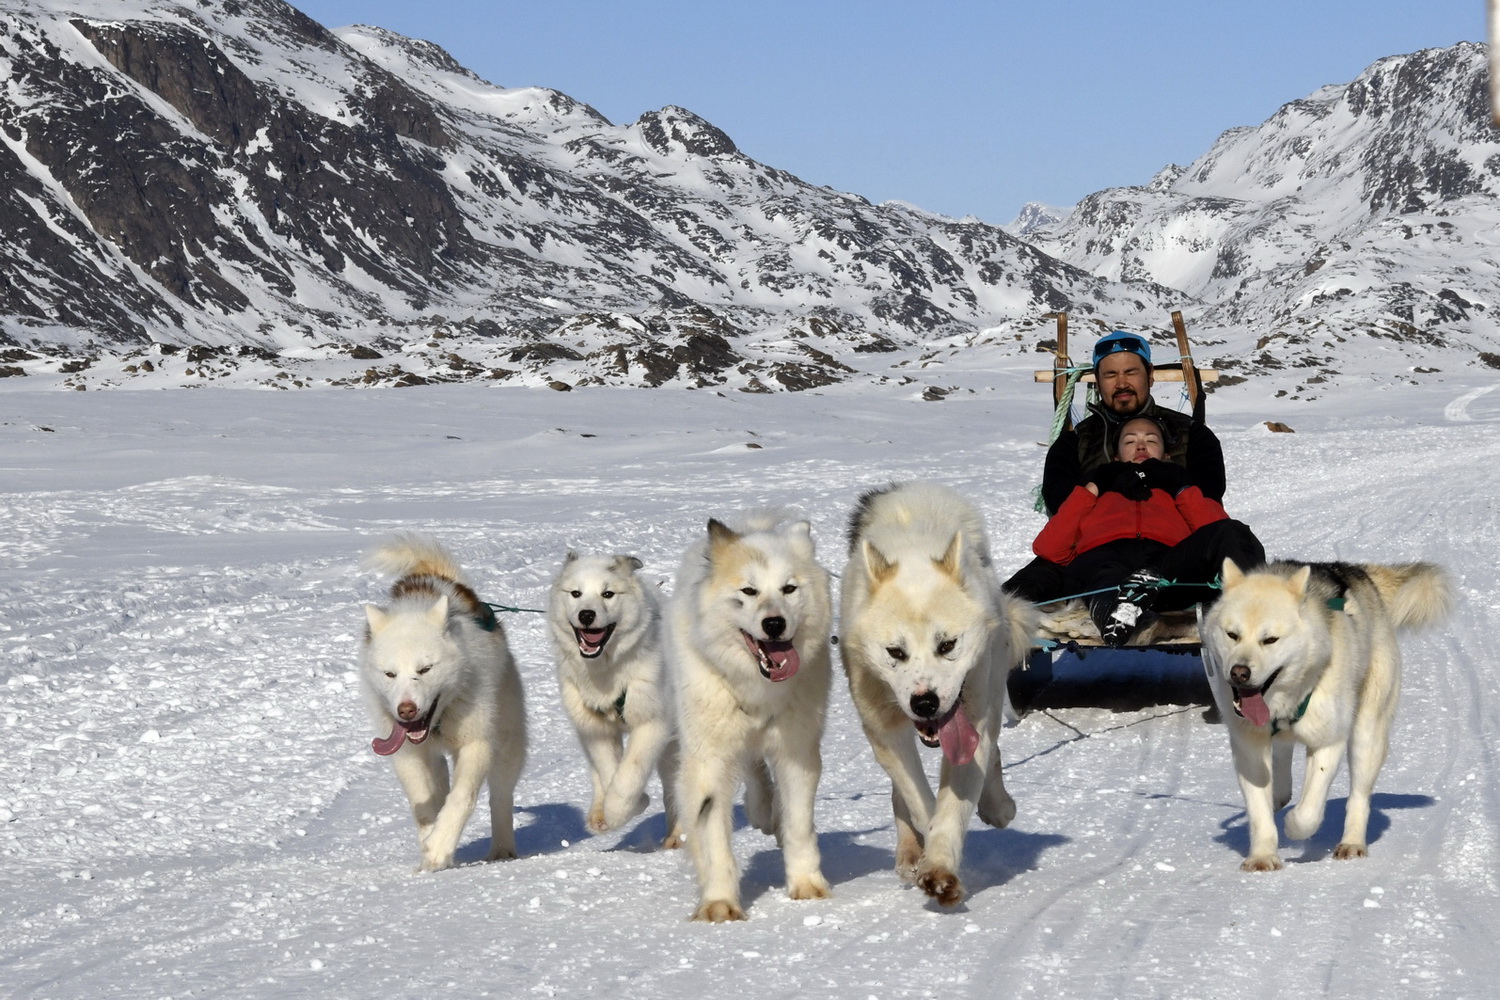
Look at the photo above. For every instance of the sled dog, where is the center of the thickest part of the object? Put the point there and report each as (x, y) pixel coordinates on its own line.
(1306, 653)
(748, 632)
(438, 678)
(927, 638)
(606, 629)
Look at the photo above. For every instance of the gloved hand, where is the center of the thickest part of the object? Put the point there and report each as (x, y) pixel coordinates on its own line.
(1124, 478)
(1165, 476)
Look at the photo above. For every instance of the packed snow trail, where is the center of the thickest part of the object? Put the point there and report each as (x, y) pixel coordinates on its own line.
(190, 807)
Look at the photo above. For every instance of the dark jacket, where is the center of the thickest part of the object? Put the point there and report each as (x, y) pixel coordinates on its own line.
(1085, 521)
(1093, 442)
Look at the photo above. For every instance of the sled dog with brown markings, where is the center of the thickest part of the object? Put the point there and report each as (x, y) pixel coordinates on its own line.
(748, 631)
(928, 638)
(1306, 653)
(438, 679)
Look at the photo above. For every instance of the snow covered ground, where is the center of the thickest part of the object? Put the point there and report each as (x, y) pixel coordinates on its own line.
(189, 805)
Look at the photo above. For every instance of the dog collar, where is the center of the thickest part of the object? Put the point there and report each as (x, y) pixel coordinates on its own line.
(618, 705)
(1276, 724)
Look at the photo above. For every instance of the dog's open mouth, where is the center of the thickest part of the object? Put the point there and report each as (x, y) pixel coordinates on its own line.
(1250, 703)
(777, 658)
(417, 731)
(591, 641)
(952, 731)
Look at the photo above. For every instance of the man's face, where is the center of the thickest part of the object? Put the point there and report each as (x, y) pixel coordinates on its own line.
(1124, 382)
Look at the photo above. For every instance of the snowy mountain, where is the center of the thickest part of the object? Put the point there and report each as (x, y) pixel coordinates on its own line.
(237, 180)
(1355, 223)
(231, 193)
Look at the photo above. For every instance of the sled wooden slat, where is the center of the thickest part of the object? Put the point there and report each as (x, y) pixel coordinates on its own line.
(1162, 373)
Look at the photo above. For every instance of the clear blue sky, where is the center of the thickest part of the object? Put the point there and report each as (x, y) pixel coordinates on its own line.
(964, 107)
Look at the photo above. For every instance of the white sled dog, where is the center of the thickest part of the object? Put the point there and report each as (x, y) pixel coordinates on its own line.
(928, 638)
(606, 629)
(438, 677)
(748, 631)
(1306, 653)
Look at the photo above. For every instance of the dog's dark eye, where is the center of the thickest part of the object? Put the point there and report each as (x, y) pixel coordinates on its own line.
(1269, 640)
(790, 588)
(946, 646)
(423, 670)
(390, 673)
(576, 593)
(749, 591)
(607, 594)
(896, 653)
(1233, 636)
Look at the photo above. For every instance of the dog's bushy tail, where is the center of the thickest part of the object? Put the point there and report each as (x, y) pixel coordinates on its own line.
(408, 553)
(1415, 594)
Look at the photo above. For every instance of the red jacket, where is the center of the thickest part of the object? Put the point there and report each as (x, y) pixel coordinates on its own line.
(1085, 521)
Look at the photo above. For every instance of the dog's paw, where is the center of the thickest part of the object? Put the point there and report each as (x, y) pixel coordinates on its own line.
(595, 820)
(673, 842)
(1344, 852)
(813, 886)
(618, 810)
(942, 885)
(719, 911)
(1264, 863)
(435, 862)
(998, 810)
(1300, 825)
(908, 861)
(502, 852)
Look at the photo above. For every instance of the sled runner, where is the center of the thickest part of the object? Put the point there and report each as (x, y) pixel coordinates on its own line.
(1115, 677)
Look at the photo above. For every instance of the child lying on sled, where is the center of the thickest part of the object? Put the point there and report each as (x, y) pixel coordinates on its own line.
(1137, 524)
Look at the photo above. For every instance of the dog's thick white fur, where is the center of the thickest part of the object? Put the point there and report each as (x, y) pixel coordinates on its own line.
(1306, 653)
(606, 629)
(748, 631)
(438, 678)
(928, 638)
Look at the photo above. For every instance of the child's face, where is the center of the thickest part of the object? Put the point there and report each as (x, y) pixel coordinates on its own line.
(1140, 440)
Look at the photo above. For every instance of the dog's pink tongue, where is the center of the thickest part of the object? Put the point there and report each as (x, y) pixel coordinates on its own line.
(1253, 708)
(385, 746)
(784, 659)
(959, 738)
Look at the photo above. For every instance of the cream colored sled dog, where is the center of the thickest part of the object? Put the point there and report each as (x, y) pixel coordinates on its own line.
(747, 638)
(438, 678)
(606, 629)
(927, 639)
(1306, 653)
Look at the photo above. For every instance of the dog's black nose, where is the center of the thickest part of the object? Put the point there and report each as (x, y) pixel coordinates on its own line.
(585, 617)
(1239, 675)
(924, 705)
(773, 626)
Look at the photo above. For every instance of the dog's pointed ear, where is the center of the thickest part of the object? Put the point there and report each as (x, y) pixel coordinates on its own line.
(438, 613)
(877, 566)
(376, 617)
(1299, 580)
(951, 562)
(571, 557)
(800, 535)
(627, 564)
(1230, 573)
(720, 533)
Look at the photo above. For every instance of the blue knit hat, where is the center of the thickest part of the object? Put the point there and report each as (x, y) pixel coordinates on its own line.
(1119, 341)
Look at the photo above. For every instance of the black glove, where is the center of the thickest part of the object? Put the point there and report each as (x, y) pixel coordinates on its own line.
(1124, 478)
(1165, 476)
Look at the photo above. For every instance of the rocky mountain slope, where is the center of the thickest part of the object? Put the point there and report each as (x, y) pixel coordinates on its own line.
(230, 192)
(1356, 223)
(234, 180)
